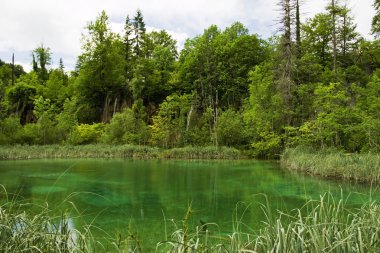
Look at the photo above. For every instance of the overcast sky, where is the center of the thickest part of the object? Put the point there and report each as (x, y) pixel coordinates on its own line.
(58, 24)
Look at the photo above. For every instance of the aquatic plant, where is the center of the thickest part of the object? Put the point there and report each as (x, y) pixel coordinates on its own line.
(324, 225)
(333, 163)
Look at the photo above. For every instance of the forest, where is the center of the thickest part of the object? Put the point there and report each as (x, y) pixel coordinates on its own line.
(315, 83)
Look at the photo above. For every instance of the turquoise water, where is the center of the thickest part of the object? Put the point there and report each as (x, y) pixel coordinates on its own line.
(146, 196)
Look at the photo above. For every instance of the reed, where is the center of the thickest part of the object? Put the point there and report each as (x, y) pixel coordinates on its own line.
(332, 163)
(22, 152)
(31, 228)
(325, 225)
(20, 231)
(210, 152)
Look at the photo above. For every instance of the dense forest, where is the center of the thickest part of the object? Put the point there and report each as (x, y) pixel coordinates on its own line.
(315, 83)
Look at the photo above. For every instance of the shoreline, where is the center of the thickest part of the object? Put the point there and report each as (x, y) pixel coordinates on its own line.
(25, 152)
(333, 164)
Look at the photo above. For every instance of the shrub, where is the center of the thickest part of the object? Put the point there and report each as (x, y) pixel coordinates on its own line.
(10, 129)
(86, 134)
(230, 128)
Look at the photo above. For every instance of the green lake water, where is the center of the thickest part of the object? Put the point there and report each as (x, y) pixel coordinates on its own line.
(115, 195)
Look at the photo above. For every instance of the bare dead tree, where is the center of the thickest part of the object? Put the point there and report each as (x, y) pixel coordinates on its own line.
(298, 28)
(285, 75)
(333, 12)
(13, 69)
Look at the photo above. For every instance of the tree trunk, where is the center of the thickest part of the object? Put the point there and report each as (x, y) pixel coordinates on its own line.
(105, 109)
(114, 107)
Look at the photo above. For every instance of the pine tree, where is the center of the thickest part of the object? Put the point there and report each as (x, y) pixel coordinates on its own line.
(139, 30)
(61, 66)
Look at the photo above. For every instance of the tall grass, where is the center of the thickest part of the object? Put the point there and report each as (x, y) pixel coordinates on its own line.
(23, 152)
(84, 151)
(21, 231)
(324, 225)
(203, 153)
(31, 228)
(332, 163)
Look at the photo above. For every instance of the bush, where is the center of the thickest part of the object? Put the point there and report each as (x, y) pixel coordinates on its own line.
(125, 128)
(10, 129)
(230, 128)
(86, 134)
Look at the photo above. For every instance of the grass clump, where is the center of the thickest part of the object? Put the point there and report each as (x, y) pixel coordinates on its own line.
(333, 163)
(22, 232)
(326, 225)
(31, 228)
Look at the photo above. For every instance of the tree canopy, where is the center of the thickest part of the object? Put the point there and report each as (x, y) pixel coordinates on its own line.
(316, 83)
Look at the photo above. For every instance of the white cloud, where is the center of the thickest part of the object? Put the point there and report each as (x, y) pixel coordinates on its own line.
(59, 24)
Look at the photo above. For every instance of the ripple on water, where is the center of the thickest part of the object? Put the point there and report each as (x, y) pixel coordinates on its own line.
(105, 200)
(47, 189)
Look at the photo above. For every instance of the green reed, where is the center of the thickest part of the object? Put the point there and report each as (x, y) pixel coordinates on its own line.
(325, 225)
(18, 152)
(333, 163)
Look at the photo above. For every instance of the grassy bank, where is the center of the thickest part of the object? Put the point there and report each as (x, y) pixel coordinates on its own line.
(19, 152)
(324, 225)
(333, 164)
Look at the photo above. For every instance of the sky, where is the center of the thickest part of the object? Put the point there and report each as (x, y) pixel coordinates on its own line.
(59, 24)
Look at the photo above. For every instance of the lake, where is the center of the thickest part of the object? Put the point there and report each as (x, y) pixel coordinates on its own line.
(146, 196)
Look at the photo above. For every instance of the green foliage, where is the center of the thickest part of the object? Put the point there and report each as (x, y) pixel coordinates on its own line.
(172, 122)
(332, 125)
(56, 87)
(67, 119)
(22, 94)
(226, 87)
(156, 68)
(41, 59)
(86, 134)
(317, 33)
(262, 113)
(216, 64)
(230, 129)
(6, 74)
(125, 128)
(10, 129)
(101, 73)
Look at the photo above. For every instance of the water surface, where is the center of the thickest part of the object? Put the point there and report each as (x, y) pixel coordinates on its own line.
(147, 195)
